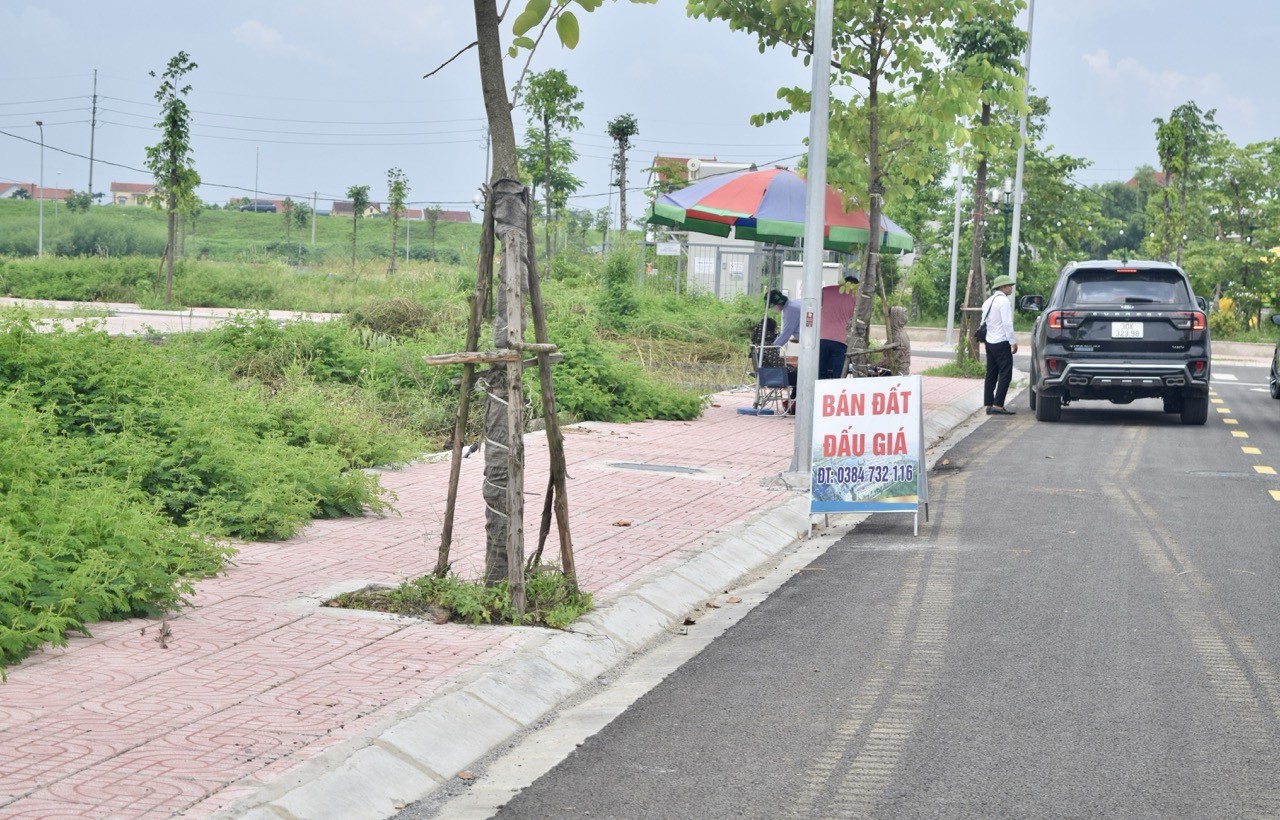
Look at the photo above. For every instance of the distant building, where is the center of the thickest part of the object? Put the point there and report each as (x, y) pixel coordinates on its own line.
(131, 193)
(11, 190)
(345, 207)
(1157, 178)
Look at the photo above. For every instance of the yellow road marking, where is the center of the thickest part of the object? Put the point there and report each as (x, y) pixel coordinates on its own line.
(1230, 421)
(1216, 401)
(1253, 451)
(1265, 470)
(1275, 494)
(1239, 434)
(1223, 409)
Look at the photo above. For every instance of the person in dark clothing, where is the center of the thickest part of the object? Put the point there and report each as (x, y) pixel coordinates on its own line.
(997, 313)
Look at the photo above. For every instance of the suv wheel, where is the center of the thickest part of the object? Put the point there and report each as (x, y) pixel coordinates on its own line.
(1048, 408)
(1173, 404)
(1195, 409)
(1031, 390)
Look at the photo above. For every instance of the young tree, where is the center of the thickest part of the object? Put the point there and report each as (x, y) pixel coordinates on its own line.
(558, 182)
(622, 129)
(513, 235)
(553, 108)
(301, 220)
(359, 195)
(287, 210)
(170, 159)
(433, 224)
(397, 192)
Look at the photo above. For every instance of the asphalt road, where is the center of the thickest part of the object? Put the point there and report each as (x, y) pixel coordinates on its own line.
(1086, 627)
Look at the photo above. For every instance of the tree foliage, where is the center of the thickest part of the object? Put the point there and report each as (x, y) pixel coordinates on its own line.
(553, 110)
(359, 196)
(170, 160)
(622, 128)
(397, 192)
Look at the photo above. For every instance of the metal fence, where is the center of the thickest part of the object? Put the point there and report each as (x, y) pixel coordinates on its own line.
(726, 271)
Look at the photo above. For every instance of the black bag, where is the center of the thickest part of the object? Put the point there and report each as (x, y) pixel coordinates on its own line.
(980, 333)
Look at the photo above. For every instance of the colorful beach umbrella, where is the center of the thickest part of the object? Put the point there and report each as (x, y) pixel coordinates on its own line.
(767, 206)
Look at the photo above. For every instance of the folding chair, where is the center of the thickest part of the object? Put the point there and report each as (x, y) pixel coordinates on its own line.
(773, 383)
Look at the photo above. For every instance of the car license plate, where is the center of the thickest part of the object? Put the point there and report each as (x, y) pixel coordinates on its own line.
(1126, 330)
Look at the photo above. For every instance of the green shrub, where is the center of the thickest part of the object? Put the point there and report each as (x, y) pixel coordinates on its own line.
(1224, 324)
(617, 299)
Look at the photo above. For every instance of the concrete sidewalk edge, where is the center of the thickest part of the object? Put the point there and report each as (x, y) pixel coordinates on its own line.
(402, 760)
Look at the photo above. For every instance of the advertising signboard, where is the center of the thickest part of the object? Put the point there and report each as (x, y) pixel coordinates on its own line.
(868, 447)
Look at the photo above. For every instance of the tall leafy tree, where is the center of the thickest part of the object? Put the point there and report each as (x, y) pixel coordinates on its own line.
(622, 129)
(397, 192)
(1183, 143)
(359, 196)
(553, 109)
(900, 104)
(987, 49)
(170, 160)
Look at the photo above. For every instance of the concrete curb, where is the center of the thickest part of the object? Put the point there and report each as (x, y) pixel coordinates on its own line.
(403, 760)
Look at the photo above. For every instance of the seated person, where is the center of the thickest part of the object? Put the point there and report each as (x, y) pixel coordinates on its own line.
(771, 356)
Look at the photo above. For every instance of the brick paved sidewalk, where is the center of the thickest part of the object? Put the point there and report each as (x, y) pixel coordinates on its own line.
(257, 679)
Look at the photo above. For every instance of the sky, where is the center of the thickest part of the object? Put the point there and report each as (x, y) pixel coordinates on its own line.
(303, 97)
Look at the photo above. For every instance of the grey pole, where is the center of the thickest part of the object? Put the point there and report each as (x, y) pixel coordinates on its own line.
(814, 220)
(314, 203)
(40, 236)
(955, 255)
(1022, 147)
(255, 175)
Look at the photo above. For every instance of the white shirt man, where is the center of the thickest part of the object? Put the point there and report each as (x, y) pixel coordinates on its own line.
(1000, 345)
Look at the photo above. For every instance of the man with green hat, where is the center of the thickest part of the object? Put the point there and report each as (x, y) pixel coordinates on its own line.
(997, 314)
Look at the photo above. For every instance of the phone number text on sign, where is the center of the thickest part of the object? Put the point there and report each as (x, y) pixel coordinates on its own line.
(873, 474)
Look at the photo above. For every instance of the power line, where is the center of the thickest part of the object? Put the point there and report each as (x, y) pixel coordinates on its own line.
(54, 99)
(310, 122)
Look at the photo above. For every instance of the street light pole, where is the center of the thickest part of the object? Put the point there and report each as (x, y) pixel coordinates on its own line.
(40, 240)
(1006, 207)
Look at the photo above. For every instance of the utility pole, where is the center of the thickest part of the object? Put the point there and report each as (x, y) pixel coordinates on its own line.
(255, 175)
(814, 224)
(93, 128)
(1022, 148)
(314, 194)
(955, 254)
(40, 245)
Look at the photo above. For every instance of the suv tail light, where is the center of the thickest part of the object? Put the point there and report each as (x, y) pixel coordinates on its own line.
(1053, 366)
(1188, 320)
(1198, 367)
(1064, 319)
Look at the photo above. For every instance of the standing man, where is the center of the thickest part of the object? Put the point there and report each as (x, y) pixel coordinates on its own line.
(1001, 344)
(837, 307)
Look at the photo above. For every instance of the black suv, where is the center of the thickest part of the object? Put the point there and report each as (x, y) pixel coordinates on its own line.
(259, 206)
(1120, 331)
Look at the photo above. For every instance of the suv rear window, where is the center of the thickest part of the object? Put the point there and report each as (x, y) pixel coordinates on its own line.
(1108, 287)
